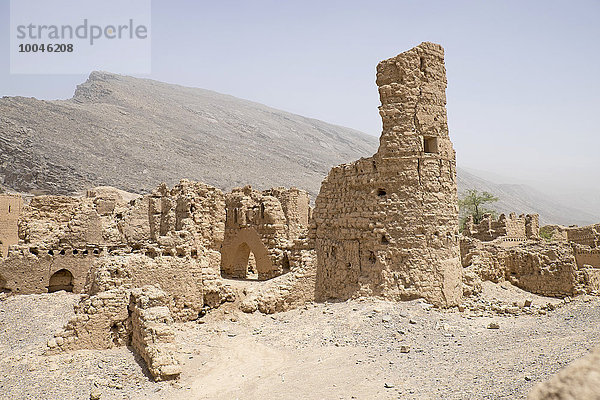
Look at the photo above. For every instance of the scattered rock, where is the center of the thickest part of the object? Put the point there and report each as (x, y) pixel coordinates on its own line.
(95, 394)
(493, 325)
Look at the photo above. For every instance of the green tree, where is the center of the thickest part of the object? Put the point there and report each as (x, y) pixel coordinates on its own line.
(473, 203)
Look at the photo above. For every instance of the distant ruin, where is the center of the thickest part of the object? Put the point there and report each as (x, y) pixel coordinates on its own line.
(510, 248)
(511, 228)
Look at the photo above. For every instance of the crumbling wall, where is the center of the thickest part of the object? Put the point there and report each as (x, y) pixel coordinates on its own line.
(555, 232)
(262, 226)
(586, 235)
(511, 228)
(388, 225)
(179, 277)
(287, 291)
(122, 316)
(10, 211)
(189, 206)
(152, 333)
(61, 232)
(50, 222)
(588, 264)
(100, 322)
(29, 269)
(586, 255)
(541, 267)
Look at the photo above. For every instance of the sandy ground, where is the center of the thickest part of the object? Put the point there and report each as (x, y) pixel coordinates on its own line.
(349, 350)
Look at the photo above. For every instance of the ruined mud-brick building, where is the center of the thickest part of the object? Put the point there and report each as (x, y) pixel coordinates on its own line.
(507, 229)
(108, 244)
(260, 229)
(511, 249)
(387, 225)
(382, 226)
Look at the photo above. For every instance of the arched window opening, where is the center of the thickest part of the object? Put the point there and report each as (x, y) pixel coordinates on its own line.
(61, 280)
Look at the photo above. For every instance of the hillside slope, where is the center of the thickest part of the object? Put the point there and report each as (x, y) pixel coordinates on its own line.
(524, 199)
(134, 133)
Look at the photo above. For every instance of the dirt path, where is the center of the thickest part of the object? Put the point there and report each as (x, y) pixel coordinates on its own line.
(324, 351)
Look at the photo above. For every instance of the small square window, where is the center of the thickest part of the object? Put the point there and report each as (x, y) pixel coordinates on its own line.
(430, 144)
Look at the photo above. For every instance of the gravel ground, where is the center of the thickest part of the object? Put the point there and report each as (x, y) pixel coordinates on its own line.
(365, 349)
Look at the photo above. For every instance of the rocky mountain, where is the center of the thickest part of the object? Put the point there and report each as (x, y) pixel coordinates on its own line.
(134, 133)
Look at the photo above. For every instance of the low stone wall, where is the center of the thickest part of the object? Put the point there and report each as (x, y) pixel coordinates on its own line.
(122, 316)
(541, 267)
(152, 333)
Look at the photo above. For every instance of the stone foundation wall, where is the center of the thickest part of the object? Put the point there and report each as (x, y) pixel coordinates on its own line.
(388, 225)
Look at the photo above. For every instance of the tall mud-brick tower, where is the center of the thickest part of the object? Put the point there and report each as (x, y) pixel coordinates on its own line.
(388, 225)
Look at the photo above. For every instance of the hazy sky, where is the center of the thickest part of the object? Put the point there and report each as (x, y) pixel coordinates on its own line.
(523, 76)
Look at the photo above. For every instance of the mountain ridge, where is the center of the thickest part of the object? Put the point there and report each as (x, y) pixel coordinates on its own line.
(134, 133)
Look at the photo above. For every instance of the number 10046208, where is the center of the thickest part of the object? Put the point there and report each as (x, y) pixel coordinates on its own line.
(45, 48)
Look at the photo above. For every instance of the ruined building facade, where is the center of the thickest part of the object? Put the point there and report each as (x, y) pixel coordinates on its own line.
(511, 249)
(388, 225)
(506, 228)
(260, 229)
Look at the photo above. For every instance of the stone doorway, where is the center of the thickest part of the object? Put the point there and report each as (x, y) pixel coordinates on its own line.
(245, 262)
(244, 256)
